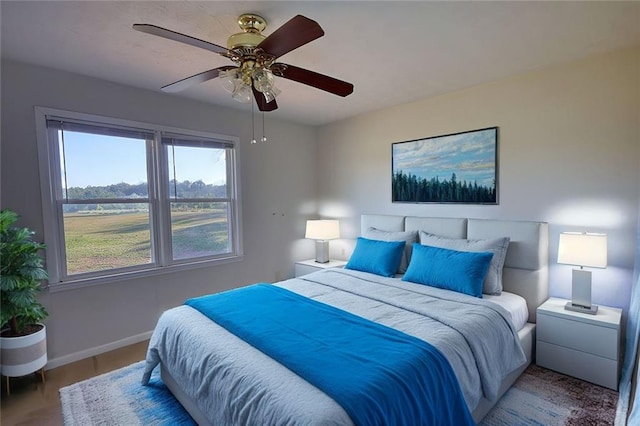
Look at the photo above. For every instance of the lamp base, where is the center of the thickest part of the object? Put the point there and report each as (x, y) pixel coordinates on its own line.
(591, 310)
(581, 288)
(322, 251)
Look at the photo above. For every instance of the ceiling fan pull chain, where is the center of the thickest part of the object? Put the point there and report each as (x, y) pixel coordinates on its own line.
(253, 125)
(264, 137)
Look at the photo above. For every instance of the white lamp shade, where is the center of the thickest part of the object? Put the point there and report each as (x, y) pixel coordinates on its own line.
(322, 229)
(583, 249)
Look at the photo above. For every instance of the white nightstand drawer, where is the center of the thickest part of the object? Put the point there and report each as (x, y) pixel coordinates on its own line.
(600, 341)
(585, 366)
(304, 269)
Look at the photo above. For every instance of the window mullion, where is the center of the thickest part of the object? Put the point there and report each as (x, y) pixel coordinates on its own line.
(163, 205)
(152, 200)
(233, 193)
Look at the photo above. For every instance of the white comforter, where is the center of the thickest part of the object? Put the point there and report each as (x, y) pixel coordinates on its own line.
(233, 383)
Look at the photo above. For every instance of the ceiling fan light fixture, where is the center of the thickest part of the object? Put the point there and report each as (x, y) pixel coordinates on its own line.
(242, 93)
(229, 79)
(263, 82)
(270, 95)
(262, 79)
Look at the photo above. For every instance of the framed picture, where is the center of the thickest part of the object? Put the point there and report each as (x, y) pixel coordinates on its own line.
(455, 168)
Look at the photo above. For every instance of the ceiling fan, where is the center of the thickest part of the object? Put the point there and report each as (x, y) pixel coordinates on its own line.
(255, 57)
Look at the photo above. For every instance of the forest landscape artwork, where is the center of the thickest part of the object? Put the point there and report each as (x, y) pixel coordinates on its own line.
(454, 168)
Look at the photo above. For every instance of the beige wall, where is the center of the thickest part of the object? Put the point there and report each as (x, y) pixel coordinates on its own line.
(569, 147)
(278, 185)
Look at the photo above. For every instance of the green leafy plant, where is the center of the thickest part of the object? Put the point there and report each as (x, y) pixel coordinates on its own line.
(21, 272)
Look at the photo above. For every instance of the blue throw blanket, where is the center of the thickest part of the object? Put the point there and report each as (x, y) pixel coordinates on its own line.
(379, 375)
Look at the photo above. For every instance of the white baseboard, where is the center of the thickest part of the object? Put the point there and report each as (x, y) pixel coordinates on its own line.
(97, 350)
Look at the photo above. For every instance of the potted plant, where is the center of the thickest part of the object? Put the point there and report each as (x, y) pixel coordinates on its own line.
(23, 347)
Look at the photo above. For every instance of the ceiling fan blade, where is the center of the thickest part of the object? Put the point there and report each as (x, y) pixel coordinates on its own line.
(313, 79)
(172, 35)
(198, 78)
(294, 33)
(262, 103)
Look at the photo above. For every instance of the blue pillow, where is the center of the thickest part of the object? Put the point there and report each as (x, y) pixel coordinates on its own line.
(460, 271)
(377, 257)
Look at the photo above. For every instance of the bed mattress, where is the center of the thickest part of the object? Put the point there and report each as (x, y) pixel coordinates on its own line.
(516, 307)
(216, 369)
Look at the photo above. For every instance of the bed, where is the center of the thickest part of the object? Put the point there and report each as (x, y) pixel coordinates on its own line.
(221, 379)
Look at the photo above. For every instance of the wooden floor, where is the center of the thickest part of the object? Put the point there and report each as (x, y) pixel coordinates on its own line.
(32, 402)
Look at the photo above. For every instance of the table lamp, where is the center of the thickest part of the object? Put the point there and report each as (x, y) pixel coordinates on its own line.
(582, 249)
(322, 231)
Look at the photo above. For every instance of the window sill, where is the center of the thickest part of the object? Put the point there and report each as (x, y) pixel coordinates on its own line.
(89, 282)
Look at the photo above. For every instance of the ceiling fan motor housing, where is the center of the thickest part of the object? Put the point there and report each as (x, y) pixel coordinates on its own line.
(252, 27)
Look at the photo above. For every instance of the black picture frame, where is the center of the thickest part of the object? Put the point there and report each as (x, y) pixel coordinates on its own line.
(457, 168)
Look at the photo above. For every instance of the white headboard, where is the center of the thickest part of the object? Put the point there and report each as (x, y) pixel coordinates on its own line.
(526, 267)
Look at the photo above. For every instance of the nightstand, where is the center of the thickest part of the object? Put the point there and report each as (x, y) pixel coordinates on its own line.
(580, 345)
(305, 267)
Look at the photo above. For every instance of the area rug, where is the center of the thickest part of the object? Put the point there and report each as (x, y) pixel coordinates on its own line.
(118, 398)
(539, 397)
(543, 397)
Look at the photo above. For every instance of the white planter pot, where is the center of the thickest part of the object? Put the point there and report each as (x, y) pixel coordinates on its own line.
(23, 355)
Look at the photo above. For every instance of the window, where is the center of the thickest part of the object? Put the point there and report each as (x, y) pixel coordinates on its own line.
(133, 198)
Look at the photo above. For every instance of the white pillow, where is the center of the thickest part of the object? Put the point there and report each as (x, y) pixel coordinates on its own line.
(493, 281)
(409, 237)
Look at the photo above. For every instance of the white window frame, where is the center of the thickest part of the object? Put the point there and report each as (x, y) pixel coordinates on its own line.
(159, 202)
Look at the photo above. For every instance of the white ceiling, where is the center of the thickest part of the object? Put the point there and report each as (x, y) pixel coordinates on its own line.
(393, 52)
